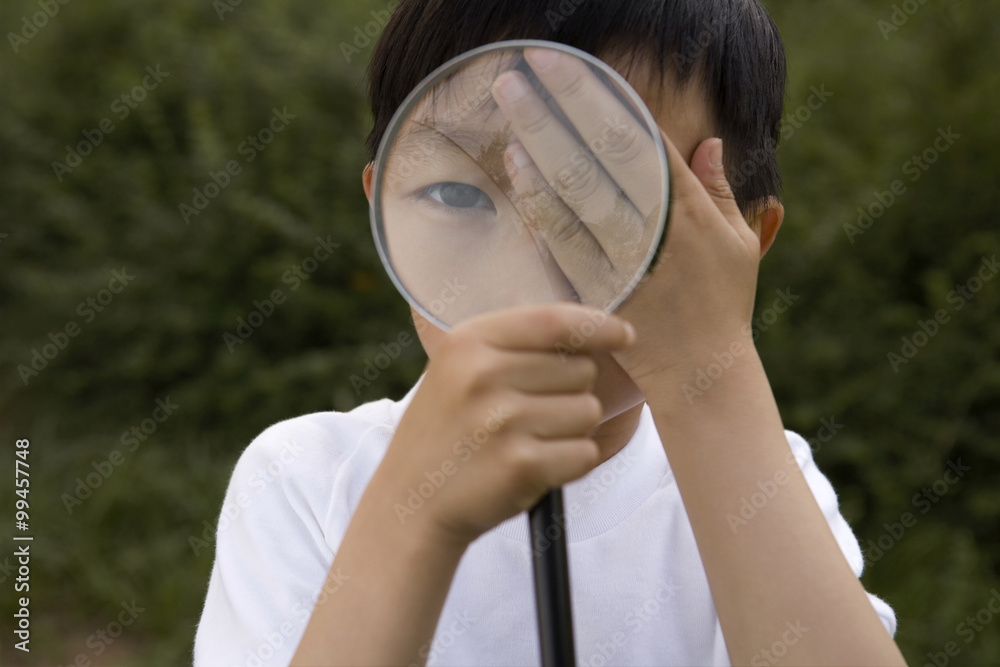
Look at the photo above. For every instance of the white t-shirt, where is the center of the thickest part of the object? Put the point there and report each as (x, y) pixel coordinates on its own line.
(639, 591)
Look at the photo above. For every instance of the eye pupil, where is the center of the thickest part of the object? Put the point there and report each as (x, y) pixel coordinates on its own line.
(460, 195)
(459, 198)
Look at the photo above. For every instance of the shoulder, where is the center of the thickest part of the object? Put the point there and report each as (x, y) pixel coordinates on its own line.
(287, 506)
(314, 463)
(317, 437)
(802, 451)
(801, 448)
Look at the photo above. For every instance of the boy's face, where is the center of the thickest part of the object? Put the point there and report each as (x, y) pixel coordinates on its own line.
(685, 118)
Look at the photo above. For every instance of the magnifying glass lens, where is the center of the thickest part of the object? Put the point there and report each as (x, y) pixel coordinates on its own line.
(519, 173)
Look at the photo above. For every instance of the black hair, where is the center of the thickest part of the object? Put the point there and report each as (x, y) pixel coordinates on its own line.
(731, 47)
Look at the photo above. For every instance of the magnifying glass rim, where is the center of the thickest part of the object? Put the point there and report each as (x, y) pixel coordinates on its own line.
(442, 72)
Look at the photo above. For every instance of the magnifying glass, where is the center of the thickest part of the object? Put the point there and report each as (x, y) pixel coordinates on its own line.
(522, 172)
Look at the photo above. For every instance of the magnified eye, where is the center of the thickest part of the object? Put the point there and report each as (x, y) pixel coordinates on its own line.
(459, 195)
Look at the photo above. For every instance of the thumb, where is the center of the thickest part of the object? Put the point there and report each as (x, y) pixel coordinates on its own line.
(707, 165)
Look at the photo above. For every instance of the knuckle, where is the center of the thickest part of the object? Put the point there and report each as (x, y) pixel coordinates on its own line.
(719, 188)
(512, 404)
(624, 146)
(544, 204)
(472, 365)
(484, 368)
(520, 459)
(551, 321)
(591, 409)
(568, 233)
(591, 453)
(572, 83)
(536, 121)
(579, 179)
(588, 369)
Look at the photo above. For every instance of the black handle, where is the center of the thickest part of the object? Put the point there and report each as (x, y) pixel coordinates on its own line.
(548, 547)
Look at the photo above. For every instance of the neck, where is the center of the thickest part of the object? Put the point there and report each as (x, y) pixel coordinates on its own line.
(613, 434)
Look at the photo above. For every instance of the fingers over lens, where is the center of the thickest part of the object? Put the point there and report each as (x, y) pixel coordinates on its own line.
(573, 172)
(621, 143)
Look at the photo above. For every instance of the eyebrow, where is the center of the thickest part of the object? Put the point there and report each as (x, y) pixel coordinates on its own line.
(428, 141)
(444, 136)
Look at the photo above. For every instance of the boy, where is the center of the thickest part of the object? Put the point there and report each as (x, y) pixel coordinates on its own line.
(395, 533)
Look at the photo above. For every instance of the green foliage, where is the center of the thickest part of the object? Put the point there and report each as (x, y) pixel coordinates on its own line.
(163, 334)
(860, 294)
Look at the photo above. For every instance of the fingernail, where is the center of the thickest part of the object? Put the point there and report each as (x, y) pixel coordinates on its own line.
(541, 59)
(519, 156)
(511, 86)
(715, 154)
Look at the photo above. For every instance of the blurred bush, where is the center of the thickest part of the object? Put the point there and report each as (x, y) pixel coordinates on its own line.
(225, 69)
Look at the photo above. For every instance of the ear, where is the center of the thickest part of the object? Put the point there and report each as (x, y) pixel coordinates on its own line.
(366, 180)
(767, 221)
